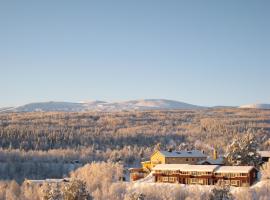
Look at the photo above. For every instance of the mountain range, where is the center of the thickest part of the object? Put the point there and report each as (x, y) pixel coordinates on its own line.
(144, 104)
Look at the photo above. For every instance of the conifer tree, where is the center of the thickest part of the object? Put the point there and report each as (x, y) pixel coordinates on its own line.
(243, 151)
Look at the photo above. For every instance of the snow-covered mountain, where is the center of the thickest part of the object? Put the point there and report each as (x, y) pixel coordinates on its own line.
(258, 106)
(145, 104)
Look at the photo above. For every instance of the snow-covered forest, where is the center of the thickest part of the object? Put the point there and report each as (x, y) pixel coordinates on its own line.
(44, 145)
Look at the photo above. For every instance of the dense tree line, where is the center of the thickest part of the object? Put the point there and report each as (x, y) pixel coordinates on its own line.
(45, 131)
(50, 144)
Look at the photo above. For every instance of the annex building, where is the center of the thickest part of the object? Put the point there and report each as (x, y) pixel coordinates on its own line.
(174, 157)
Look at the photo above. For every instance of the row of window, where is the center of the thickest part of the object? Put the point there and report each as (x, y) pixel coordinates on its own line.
(202, 181)
(194, 173)
(188, 159)
(169, 179)
(197, 180)
(231, 175)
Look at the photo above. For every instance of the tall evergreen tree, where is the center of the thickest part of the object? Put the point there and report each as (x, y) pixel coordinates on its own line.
(243, 151)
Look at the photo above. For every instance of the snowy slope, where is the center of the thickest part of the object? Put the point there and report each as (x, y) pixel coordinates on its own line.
(258, 106)
(145, 104)
(149, 104)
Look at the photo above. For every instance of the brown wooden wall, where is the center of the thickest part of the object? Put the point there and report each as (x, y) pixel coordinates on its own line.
(210, 179)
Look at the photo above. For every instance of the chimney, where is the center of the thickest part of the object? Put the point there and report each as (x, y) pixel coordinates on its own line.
(215, 154)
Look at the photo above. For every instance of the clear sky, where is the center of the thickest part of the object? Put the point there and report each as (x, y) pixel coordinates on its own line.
(200, 52)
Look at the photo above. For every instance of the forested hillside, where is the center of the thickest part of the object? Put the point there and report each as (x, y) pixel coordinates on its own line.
(34, 143)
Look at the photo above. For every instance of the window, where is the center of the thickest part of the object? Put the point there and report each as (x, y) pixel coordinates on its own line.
(243, 174)
(172, 179)
(194, 173)
(226, 182)
(165, 179)
(200, 181)
(186, 159)
(234, 182)
(168, 172)
(193, 180)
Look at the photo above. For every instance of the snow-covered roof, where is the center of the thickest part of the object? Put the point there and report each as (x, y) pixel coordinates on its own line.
(185, 167)
(203, 168)
(234, 169)
(48, 181)
(56, 180)
(169, 167)
(200, 168)
(183, 154)
(264, 154)
(35, 181)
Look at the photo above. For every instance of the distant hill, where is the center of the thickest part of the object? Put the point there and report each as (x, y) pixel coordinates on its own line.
(6, 109)
(144, 104)
(257, 106)
(50, 106)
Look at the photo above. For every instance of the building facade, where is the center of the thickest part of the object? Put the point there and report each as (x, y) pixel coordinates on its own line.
(239, 176)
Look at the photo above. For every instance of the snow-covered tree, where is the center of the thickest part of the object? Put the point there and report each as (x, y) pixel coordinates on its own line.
(51, 192)
(243, 151)
(265, 171)
(55, 193)
(135, 196)
(76, 190)
(221, 192)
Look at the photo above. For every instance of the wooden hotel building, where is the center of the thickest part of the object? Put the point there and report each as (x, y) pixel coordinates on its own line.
(239, 176)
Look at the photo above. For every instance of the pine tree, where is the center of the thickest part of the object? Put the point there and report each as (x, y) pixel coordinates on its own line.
(243, 151)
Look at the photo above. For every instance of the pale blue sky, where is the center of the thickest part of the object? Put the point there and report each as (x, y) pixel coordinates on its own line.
(200, 52)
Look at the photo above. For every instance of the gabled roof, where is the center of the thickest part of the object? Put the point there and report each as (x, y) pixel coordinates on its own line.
(235, 169)
(170, 167)
(203, 168)
(183, 154)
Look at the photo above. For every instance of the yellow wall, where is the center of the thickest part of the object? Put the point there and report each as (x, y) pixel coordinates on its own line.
(157, 158)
